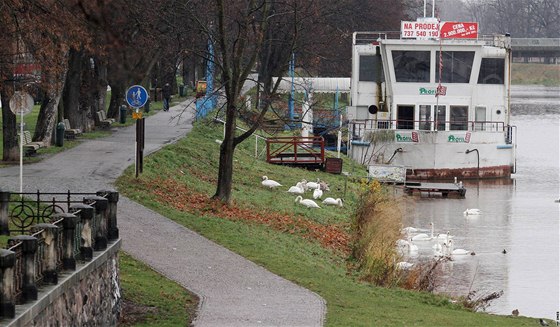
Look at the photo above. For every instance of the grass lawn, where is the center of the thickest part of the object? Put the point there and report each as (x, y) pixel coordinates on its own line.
(307, 247)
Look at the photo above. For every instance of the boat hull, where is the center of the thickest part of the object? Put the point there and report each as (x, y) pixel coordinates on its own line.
(432, 155)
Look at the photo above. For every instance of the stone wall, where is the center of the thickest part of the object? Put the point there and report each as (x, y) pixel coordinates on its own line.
(89, 296)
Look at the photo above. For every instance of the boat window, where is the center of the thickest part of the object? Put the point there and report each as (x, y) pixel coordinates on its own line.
(371, 69)
(440, 117)
(425, 117)
(491, 71)
(456, 66)
(458, 116)
(479, 118)
(411, 66)
(405, 117)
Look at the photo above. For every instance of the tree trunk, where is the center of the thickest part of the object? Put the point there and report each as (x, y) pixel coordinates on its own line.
(9, 128)
(225, 171)
(49, 109)
(117, 96)
(71, 95)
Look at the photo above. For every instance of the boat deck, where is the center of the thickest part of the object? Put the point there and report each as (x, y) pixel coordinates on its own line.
(443, 189)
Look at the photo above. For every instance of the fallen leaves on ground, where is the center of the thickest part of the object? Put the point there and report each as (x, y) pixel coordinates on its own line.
(179, 196)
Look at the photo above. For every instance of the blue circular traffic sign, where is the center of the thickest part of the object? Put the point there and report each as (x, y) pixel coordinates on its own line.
(136, 96)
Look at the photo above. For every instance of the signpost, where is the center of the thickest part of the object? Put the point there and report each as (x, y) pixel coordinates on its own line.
(21, 103)
(137, 97)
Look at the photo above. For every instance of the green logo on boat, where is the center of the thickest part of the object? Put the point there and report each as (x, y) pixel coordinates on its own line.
(459, 139)
(425, 91)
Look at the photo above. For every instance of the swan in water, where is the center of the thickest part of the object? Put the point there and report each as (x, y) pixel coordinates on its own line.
(408, 230)
(406, 245)
(333, 202)
(298, 189)
(423, 236)
(269, 182)
(472, 212)
(307, 202)
(457, 251)
(404, 265)
(317, 193)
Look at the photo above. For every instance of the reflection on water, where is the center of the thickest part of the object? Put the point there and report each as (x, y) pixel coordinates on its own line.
(519, 216)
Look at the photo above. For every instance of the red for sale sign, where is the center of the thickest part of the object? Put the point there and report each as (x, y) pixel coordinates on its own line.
(458, 30)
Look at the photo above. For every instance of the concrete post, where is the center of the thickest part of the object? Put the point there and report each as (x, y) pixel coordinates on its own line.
(29, 248)
(101, 206)
(4, 213)
(85, 213)
(69, 223)
(113, 198)
(50, 234)
(7, 301)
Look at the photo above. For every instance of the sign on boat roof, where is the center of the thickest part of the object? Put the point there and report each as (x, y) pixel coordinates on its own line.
(431, 28)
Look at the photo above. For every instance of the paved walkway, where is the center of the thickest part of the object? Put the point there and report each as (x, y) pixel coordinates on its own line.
(233, 291)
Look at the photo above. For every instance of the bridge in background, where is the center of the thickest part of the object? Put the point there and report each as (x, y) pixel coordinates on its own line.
(542, 50)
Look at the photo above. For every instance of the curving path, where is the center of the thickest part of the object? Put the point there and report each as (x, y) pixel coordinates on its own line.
(233, 291)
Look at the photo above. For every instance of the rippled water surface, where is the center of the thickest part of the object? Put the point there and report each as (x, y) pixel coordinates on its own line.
(518, 215)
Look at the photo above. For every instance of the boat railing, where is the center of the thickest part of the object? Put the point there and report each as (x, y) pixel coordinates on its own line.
(498, 40)
(361, 127)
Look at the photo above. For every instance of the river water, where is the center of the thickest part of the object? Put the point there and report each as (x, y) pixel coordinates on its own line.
(519, 216)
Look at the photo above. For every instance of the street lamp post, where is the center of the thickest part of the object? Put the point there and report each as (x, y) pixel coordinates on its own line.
(477, 161)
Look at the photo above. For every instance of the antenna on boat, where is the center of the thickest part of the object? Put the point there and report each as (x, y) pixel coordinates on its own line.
(433, 8)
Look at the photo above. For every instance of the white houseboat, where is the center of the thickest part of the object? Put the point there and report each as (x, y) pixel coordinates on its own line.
(434, 100)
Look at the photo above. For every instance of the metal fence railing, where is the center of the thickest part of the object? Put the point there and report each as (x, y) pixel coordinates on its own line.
(57, 231)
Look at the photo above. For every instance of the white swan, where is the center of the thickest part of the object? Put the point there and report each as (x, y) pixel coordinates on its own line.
(298, 189)
(333, 202)
(307, 202)
(423, 236)
(457, 251)
(408, 230)
(269, 182)
(313, 185)
(472, 212)
(404, 265)
(406, 246)
(317, 193)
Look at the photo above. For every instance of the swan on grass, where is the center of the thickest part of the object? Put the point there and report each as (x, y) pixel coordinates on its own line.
(313, 185)
(307, 202)
(298, 189)
(269, 182)
(333, 201)
(317, 193)
(472, 212)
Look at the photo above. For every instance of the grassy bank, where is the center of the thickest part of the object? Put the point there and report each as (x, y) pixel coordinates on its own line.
(307, 247)
(150, 299)
(537, 74)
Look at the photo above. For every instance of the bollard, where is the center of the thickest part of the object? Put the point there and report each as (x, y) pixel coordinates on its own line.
(60, 134)
(101, 206)
(85, 213)
(4, 213)
(7, 301)
(122, 114)
(69, 223)
(50, 275)
(112, 197)
(29, 248)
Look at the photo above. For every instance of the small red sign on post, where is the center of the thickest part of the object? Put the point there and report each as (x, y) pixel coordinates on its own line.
(441, 90)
